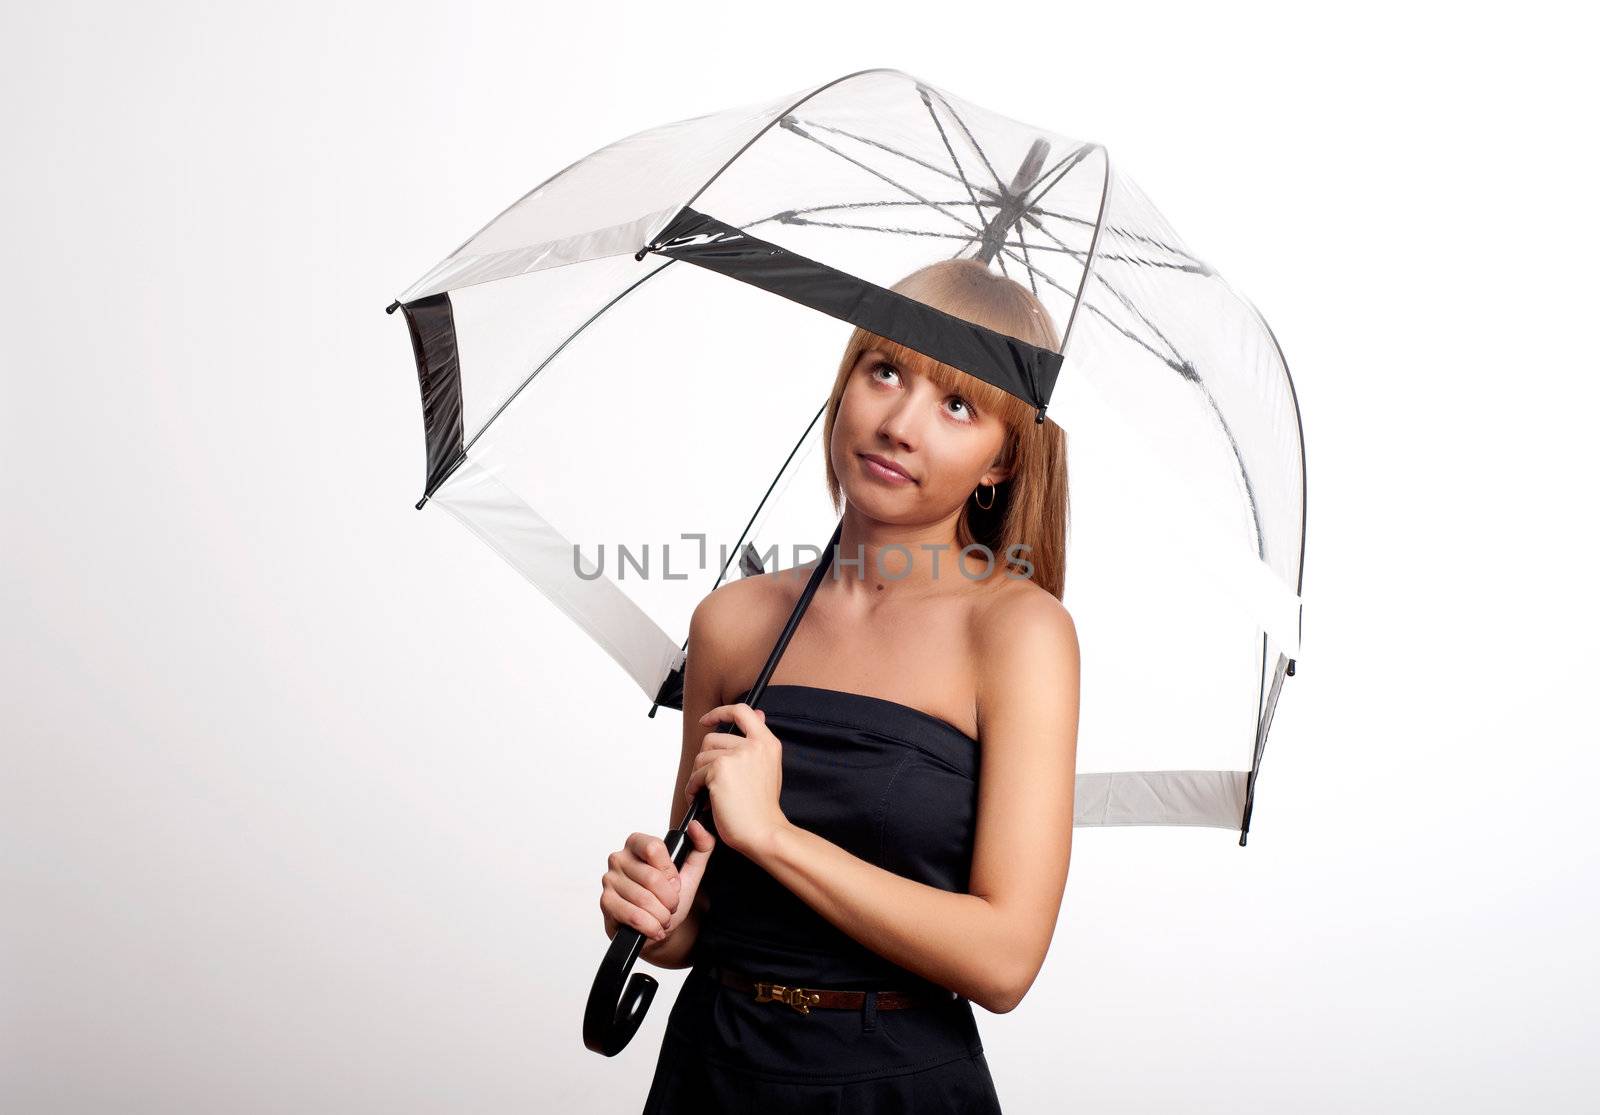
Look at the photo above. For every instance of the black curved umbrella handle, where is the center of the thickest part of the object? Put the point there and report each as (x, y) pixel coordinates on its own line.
(619, 1000)
(617, 1003)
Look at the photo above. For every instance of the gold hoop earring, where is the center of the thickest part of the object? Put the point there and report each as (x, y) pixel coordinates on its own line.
(979, 502)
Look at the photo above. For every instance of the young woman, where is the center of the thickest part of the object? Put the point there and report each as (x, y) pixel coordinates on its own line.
(895, 824)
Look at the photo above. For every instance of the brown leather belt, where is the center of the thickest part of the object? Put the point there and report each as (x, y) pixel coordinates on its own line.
(803, 999)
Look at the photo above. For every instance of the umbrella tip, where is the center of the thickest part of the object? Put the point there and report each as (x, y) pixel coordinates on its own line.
(1289, 671)
(1039, 417)
(392, 306)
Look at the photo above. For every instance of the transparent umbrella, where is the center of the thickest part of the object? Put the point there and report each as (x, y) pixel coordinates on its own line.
(627, 432)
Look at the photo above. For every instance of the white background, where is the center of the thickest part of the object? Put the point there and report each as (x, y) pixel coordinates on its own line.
(305, 797)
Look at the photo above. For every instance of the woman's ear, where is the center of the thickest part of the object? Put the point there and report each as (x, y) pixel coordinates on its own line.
(997, 473)
(1003, 467)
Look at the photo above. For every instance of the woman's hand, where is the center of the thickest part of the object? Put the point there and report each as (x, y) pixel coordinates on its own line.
(744, 776)
(641, 887)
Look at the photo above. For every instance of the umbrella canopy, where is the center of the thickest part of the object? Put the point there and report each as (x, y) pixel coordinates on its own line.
(623, 377)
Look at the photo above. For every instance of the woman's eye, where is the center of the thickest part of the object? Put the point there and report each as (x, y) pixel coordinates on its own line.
(966, 413)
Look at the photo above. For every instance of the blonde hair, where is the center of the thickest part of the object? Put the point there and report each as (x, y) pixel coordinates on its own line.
(1031, 506)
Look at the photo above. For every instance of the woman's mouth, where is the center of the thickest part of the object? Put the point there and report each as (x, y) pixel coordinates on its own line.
(886, 470)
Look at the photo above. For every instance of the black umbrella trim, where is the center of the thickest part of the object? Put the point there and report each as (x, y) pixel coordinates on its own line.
(432, 323)
(1009, 363)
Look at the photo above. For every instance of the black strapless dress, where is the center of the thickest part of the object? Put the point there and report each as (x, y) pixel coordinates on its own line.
(896, 787)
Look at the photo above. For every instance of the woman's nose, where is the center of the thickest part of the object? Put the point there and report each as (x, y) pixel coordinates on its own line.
(902, 423)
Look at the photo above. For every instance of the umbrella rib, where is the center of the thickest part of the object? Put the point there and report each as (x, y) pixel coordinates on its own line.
(795, 127)
(881, 203)
(1076, 253)
(1022, 239)
(961, 171)
(1199, 264)
(1186, 268)
(1027, 264)
(1068, 163)
(972, 139)
(956, 115)
(786, 114)
(1120, 297)
(955, 160)
(1035, 211)
(1140, 314)
(788, 217)
(793, 123)
(906, 232)
(1136, 261)
(897, 230)
(1175, 362)
(1178, 366)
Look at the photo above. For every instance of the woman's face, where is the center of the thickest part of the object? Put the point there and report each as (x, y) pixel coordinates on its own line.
(891, 411)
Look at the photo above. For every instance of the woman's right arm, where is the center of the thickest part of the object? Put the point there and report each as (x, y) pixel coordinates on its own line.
(703, 671)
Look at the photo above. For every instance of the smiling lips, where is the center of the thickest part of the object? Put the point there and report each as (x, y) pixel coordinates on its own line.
(885, 469)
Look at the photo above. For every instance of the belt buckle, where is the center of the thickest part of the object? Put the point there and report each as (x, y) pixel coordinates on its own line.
(797, 997)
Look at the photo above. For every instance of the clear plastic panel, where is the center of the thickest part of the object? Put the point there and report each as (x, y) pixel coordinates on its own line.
(607, 202)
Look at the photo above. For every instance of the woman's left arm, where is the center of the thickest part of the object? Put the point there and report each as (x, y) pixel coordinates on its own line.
(989, 944)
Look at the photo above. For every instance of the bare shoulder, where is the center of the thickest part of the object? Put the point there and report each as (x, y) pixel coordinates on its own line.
(732, 625)
(745, 604)
(1024, 636)
(1022, 608)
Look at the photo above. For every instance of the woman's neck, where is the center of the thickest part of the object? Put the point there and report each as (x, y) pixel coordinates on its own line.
(891, 560)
